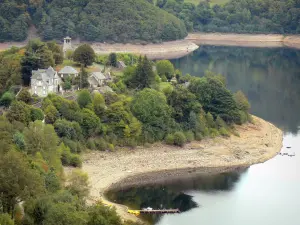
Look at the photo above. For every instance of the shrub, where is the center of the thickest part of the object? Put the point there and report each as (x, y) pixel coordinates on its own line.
(198, 136)
(101, 144)
(5, 219)
(24, 96)
(179, 139)
(75, 161)
(91, 144)
(7, 99)
(213, 132)
(74, 146)
(169, 139)
(189, 136)
(224, 132)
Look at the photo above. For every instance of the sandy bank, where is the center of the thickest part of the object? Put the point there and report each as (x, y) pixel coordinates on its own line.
(257, 143)
(165, 50)
(245, 40)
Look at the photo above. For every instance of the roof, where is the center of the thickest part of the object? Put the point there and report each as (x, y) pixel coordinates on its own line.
(99, 75)
(122, 63)
(43, 74)
(68, 70)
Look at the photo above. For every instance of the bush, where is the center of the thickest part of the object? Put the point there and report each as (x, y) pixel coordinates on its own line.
(213, 132)
(198, 136)
(224, 132)
(7, 99)
(75, 161)
(101, 144)
(74, 146)
(169, 139)
(36, 114)
(24, 96)
(5, 219)
(179, 139)
(189, 136)
(91, 144)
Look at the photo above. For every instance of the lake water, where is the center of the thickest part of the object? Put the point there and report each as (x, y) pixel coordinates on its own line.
(265, 194)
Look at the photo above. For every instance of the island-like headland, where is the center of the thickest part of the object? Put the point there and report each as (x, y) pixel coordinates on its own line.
(257, 142)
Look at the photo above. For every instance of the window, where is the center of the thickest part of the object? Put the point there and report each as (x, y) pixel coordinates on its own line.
(44, 92)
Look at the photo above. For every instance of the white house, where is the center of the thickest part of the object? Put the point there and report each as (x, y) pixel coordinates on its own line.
(68, 71)
(97, 79)
(45, 81)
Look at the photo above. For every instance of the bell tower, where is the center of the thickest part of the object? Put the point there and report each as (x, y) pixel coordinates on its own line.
(67, 44)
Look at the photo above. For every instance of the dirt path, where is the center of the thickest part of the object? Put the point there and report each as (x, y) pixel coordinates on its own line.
(246, 40)
(257, 143)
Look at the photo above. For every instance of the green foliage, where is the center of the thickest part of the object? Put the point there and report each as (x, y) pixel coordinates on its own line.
(19, 111)
(112, 59)
(106, 20)
(165, 68)
(36, 114)
(150, 107)
(237, 16)
(19, 140)
(52, 181)
(57, 52)
(99, 104)
(189, 136)
(82, 79)
(84, 54)
(101, 215)
(6, 99)
(18, 181)
(169, 139)
(37, 138)
(78, 184)
(84, 98)
(10, 68)
(241, 101)
(67, 129)
(24, 96)
(179, 138)
(142, 75)
(5, 219)
(51, 114)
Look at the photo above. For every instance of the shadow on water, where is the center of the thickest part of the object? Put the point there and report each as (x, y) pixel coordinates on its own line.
(268, 76)
(172, 194)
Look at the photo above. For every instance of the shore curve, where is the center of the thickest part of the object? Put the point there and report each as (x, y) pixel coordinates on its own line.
(257, 142)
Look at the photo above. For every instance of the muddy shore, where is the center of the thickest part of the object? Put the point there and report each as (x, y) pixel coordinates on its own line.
(257, 143)
(245, 40)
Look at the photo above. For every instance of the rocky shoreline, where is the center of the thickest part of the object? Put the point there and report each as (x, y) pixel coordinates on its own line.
(257, 142)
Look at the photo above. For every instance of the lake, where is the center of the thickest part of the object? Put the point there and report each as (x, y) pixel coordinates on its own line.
(264, 194)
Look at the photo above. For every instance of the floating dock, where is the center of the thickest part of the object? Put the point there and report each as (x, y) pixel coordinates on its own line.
(154, 211)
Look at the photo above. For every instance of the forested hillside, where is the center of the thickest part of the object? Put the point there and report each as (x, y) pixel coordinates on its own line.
(90, 20)
(239, 16)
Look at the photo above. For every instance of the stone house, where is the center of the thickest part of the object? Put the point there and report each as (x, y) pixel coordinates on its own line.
(121, 65)
(97, 79)
(68, 71)
(45, 81)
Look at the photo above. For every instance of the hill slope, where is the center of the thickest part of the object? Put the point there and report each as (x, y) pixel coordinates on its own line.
(90, 20)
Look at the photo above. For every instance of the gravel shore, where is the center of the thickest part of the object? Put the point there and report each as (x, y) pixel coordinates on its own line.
(257, 142)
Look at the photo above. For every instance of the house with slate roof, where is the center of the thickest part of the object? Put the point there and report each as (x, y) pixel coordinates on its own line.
(97, 79)
(68, 71)
(45, 81)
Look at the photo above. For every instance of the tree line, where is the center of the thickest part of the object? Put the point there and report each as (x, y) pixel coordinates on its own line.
(239, 16)
(90, 20)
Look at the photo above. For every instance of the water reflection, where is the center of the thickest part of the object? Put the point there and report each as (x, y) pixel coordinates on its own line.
(172, 194)
(269, 77)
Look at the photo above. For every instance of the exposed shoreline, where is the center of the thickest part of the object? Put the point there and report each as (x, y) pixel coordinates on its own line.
(180, 48)
(245, 40)
(257, 143)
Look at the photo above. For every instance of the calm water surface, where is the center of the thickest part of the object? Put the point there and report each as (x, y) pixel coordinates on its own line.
(265, 194)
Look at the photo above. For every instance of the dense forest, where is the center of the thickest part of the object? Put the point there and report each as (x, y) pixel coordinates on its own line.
(140, 20)
(240, 16)
(90, 20)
